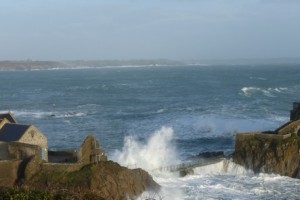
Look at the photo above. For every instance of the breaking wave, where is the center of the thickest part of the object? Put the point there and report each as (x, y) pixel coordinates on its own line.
(269, 92)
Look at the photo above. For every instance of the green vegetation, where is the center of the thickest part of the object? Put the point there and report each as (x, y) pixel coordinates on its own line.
(79, 178)
(21, 194)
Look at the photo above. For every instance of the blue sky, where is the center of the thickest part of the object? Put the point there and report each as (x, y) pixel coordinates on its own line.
(140, 29)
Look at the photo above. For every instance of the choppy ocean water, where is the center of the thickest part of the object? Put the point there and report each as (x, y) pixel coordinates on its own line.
(161, 115)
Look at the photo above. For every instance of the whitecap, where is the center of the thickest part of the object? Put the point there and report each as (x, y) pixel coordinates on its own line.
(248, 91)
(160, 110)
(67, 114)
(32, 114)
(258, 78)
(269, 92)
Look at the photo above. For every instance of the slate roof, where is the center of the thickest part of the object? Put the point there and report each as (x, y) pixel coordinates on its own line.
(9, 116)
(12, 132)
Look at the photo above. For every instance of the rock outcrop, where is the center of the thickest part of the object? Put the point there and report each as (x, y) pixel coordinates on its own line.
(105, 180)
(268, 154)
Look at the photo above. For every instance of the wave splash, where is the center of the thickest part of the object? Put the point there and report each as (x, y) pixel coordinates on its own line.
(224, 167)
(156, 152)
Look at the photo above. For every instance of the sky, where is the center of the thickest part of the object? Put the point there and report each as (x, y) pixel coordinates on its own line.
(149, 29)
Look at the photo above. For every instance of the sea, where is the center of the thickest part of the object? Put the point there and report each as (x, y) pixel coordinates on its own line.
(157, 116)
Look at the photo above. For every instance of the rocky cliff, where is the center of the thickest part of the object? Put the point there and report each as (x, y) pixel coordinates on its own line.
(268, 154)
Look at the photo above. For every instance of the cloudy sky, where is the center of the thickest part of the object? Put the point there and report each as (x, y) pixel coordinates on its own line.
(149, 29)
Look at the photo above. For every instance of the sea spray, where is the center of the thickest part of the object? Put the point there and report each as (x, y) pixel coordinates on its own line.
(157, 152)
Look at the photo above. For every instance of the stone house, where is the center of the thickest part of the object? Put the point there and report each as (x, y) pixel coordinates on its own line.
(18, 141)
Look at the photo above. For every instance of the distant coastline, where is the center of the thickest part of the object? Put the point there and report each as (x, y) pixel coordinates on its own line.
(79, 64)
(15, 65)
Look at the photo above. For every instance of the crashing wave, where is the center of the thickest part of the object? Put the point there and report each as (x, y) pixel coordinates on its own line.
(157, 152)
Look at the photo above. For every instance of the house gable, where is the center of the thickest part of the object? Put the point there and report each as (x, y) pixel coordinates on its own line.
(33, 136)
(9, 116)
(2, 122)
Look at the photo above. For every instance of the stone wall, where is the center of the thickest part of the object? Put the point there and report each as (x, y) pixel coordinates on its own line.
(32, 166)
(291, 128)
(257, 135)
(9, 172)
(4, 155)
(61, 167)
(21, 151)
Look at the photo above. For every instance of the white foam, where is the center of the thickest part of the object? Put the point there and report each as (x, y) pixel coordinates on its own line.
(160, 110)
(33, 114)
(67, 114)
(231, 181)
(258, 78)
(223, 167)
(36, 114)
